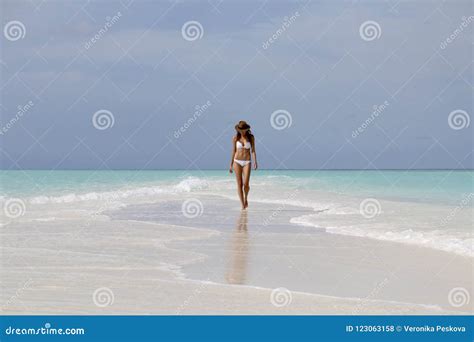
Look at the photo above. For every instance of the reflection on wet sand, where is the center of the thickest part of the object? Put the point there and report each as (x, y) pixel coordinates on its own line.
(239, 251)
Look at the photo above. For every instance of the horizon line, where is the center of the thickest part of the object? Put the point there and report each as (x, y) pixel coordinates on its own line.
(259, 169)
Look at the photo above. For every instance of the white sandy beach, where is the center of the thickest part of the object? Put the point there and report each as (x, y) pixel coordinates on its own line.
(146, 258)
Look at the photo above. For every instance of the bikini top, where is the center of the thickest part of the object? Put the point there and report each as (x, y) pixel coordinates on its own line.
(239, 145)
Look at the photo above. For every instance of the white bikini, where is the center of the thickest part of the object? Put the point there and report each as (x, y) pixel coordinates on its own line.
(239, 146)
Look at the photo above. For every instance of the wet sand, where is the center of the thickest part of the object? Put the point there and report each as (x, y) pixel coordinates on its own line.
(149, 259)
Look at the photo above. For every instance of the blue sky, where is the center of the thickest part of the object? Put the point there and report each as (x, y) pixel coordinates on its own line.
(321, 69)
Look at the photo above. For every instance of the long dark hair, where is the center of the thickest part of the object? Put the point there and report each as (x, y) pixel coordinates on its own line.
(248, 136)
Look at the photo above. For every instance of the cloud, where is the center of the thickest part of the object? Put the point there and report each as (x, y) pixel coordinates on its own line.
(318, 68)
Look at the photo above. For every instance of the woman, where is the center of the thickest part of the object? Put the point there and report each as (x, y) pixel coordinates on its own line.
(243, 147)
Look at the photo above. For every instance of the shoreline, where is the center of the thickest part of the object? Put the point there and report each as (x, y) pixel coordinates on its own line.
(153, 260)
(438, 225)
(195, 271)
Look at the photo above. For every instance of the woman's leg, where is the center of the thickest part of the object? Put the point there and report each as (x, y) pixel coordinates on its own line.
(246, 182)
(238, 177)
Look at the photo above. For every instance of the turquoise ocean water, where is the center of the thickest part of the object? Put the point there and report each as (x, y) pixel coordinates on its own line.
(446, 187)
(426, 208)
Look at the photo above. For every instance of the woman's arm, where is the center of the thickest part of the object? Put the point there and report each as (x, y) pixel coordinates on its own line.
(233, 154)
(254, 153)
